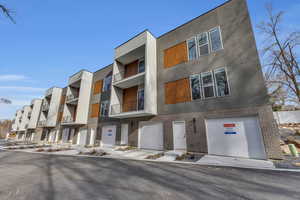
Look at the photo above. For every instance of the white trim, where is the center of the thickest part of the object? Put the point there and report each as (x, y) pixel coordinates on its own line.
(187, 46)
(191, 89)
(207, 43)
(219, 69)
(213, 84)
(221, 38)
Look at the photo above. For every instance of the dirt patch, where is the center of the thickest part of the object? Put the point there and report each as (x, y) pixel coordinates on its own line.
(189, 157)
(94, 152)
(127, 148)
(155, 156)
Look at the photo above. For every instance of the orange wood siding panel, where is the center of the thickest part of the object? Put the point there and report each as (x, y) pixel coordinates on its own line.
(62, 99)
(175, 55)
(129, 99)
(60, 115)
(74, 113)
(170, 93)
(95, 110)
(131, 69)
(177, 91)
(98, 87)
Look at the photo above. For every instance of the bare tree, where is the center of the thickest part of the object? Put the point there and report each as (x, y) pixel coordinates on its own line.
(282, 70)
(7, 12)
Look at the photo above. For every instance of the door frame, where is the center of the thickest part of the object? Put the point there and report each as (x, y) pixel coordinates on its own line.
(173, 123)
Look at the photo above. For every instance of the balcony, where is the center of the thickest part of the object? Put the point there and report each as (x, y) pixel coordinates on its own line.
(68, 120)
(76, 77)
(29, 115)
(45, 107)
(132, 108)
(48, 92)
(26, 126)
(122, 81)
(72, 99)
(42, 123)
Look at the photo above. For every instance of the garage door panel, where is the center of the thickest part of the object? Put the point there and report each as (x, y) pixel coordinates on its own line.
(108, 137)
(151, 136)
(242, 140)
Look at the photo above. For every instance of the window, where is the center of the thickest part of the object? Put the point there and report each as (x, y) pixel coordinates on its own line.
(208, 84)
(141, 99)
(104, 108)
(195, 86)
(215, 39)
(107, 83)
(192, 49)
(203, 44)
(222, 87)
(141, 66)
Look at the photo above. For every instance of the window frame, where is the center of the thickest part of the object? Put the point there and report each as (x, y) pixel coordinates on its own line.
(191, 88)
(207, 43)
(196, 48)
(106, 102)
(141, 59)
(103, 84)
(213, 85)
(221, 38)
(140, 87)
(216, 85)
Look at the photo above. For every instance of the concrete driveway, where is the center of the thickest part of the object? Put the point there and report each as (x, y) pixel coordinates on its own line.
(37, 177)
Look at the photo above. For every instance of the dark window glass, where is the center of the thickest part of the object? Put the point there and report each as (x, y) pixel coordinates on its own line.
(141, 65)
(207, 84)
(195, 86)
(141, 99)
(203, 44)
(221, 82)
(104, 108)
(107, 83)
(192, 49)
(215, 39)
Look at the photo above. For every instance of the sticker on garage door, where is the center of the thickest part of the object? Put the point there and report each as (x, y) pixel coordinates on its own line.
(230, 128)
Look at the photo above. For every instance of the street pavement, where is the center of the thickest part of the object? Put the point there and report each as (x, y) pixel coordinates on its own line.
(27, 176)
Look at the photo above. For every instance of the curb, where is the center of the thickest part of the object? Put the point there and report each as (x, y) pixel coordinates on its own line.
(157, 161)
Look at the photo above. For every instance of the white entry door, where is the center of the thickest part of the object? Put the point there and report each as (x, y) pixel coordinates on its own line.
(108, 138)
(239, 137)
(179, 135)
(151, 136)
(124, 134)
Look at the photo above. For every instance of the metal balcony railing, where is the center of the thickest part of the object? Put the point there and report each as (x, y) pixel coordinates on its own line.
(71, 97)
(127, 107)
(68, 119)
(45, 107)
(42, 123)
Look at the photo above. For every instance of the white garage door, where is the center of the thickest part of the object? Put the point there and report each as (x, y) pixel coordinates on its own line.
(108, 138)
(151, 136)
(238, 137)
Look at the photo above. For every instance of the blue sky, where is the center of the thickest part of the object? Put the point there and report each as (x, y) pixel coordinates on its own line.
(55, 38)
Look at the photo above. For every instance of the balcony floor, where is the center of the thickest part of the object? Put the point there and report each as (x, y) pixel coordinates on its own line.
(130, 81)
(131, 114)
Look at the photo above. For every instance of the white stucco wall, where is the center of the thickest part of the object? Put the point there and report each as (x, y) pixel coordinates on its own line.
(25, 119)
(54, 106)
(35, 113)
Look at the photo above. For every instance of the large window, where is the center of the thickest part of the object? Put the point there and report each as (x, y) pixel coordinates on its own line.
(203, 44)
(141, 99)
(104, 108)
(215, 39)
(141, 66)
(107, 83)
(208, 84)
(221, 82)
(192, 48)
(195, 86)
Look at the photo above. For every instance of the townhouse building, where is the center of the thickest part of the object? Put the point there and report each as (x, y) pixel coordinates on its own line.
(33, 116)
(76, 108)
(197, 88)
(49, 115)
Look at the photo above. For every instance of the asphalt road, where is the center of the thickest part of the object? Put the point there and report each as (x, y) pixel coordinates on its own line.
(38, 177)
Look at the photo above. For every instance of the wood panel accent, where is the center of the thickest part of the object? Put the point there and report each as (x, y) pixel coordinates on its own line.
(62, 99)
(74, 113)
(177, 91)
(95, 110)
(175, 55)
(60, 116)
(130, 99)
(131, 69)
(98, 85)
